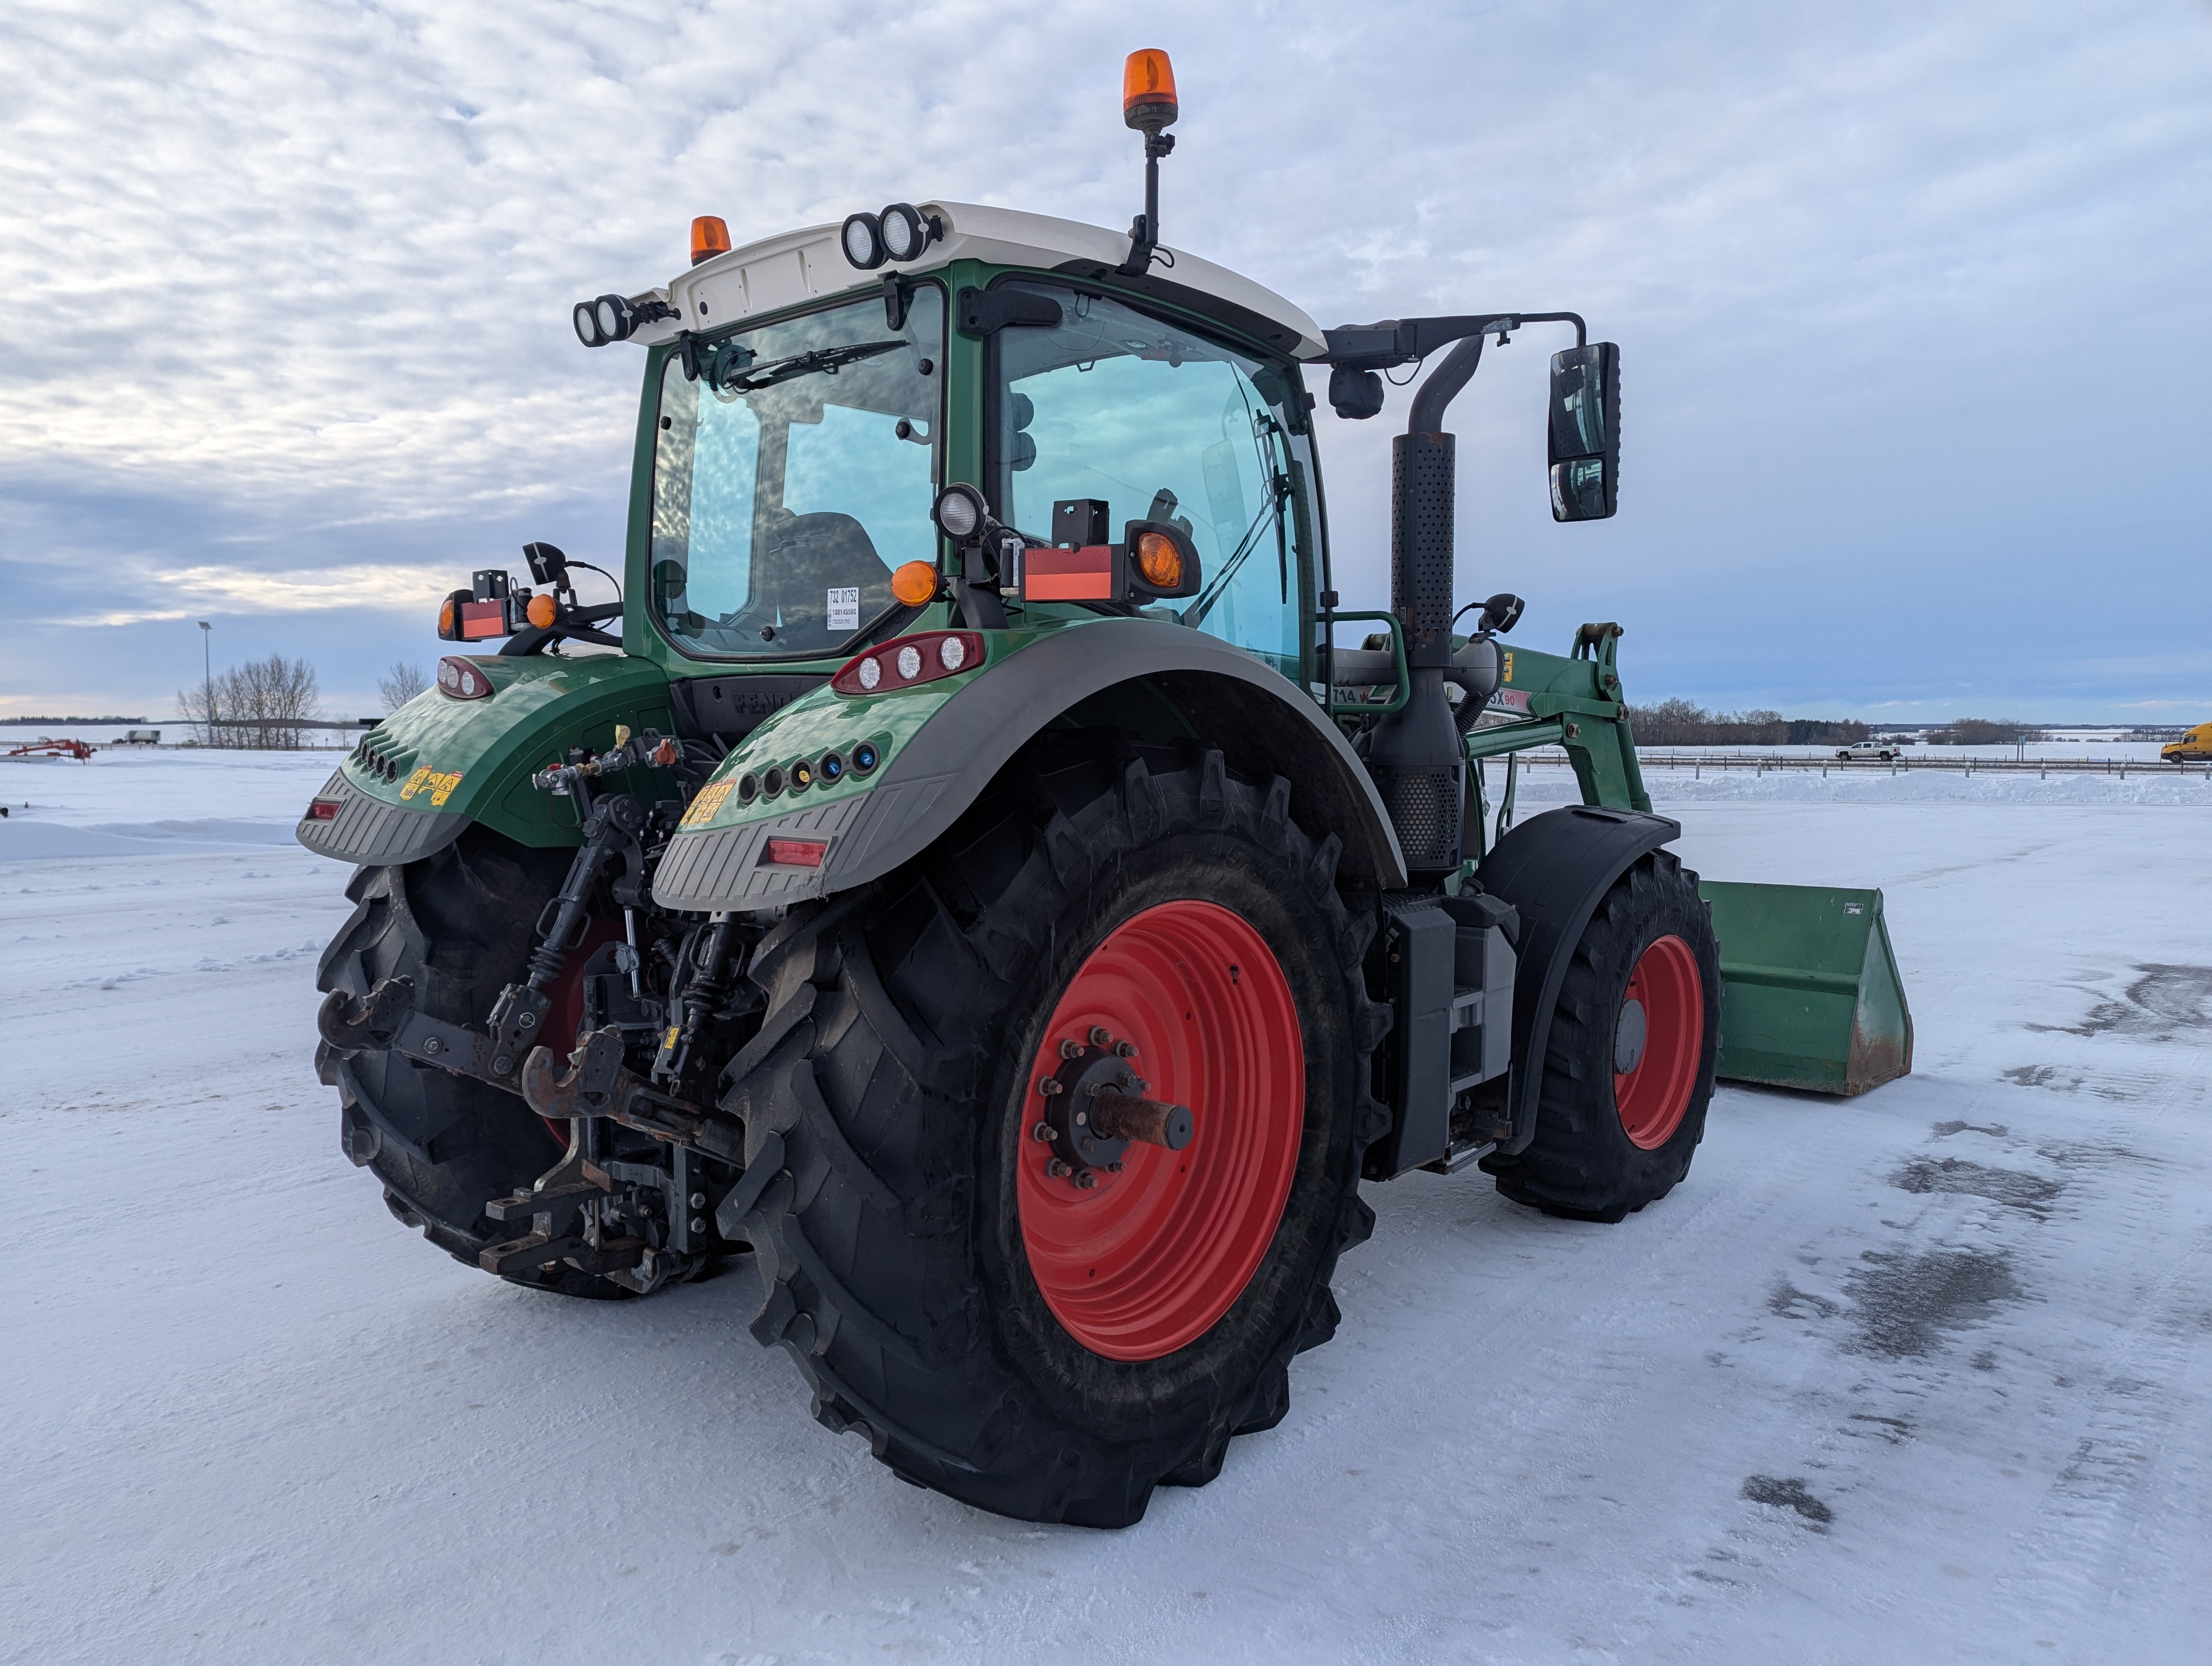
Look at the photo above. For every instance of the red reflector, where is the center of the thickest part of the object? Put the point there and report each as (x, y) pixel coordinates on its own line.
(323, 810)
(794, 853)
(1068, 576)
(482, 619)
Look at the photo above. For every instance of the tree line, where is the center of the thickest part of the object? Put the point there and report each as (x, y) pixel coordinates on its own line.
(1680, 723)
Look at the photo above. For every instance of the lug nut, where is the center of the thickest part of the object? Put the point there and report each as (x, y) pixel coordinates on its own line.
(1041, 1133)
(1114, 1167)
(1082, 1119)
(1049, 1086)
(1056, 1168)
(1071, 1049)
(1084, 1180)
(1101, 1037)
(1125, 1049)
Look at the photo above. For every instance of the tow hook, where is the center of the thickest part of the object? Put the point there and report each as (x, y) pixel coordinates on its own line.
(597, 1084)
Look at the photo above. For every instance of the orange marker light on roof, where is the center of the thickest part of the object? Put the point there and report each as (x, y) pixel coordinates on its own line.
(542, 609)
(1148, 90)
(710, 236)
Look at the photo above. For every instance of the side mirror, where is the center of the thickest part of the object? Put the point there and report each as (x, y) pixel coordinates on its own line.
(1585, 432)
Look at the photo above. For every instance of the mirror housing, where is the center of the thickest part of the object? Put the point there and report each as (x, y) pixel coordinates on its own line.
(1585, 432)
(1355, 395)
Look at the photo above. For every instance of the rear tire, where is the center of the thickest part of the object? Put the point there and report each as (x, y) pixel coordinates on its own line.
(460, 924)
(1609, 1141)
(889, 1113)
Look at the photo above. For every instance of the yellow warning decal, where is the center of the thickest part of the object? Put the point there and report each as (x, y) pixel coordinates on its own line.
(427, 780)
(708, 801)
(1509, 665)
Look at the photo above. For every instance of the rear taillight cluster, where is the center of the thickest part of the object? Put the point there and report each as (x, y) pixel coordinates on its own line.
(905, 662)
(462, 680)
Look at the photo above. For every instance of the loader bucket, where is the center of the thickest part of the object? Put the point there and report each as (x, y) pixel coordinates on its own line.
(1810, 997)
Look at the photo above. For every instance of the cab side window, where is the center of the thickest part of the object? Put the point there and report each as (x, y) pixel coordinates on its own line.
(1162, 425)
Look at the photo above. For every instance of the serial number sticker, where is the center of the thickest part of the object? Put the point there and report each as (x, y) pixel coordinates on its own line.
(427, 780)
(708, 801)
(845, 609)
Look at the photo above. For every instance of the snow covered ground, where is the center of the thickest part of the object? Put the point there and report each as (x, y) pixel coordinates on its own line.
(1919, 1376)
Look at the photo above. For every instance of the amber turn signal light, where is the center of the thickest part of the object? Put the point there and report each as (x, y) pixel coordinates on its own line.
(710, 236)
(1148, 90)
(914, 583)
(1157, 560)
(542, 610)
(447, 632)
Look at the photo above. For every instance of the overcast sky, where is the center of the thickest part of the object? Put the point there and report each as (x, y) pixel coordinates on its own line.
(1911, 298)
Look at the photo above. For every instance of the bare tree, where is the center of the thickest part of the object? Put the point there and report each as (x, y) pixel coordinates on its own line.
(262, 704)
(401, 684)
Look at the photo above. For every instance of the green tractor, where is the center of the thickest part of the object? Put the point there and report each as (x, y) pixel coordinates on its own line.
(962, 869)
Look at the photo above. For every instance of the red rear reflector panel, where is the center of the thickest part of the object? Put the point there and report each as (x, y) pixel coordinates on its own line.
(482, 619)
(794, 853)
(1068, 576)
(323, 810)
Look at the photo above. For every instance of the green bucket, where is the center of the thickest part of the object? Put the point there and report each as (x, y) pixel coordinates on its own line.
(1810, 997)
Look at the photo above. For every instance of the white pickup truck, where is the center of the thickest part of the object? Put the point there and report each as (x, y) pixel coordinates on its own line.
(1868, 751)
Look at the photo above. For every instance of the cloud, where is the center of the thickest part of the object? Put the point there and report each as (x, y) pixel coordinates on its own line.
(1893, 282)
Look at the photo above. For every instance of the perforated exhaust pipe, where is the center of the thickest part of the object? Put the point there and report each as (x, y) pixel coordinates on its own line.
(1415, 755)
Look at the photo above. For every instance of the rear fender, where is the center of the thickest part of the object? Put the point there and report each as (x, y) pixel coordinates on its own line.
(1556, 869)
(448, 763)
(944, 743)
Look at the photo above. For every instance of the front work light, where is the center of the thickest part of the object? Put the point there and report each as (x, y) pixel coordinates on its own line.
(904, 233)
(709, 237)
(960, 512)
(862, 239)
(1148, 91)
(609, 318)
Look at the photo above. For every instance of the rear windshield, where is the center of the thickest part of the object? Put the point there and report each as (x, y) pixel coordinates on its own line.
(793, 474)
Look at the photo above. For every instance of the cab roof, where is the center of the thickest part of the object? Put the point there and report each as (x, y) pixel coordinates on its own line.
(786, 270)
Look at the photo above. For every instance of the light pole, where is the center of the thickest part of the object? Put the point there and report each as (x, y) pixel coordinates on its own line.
(207, 668)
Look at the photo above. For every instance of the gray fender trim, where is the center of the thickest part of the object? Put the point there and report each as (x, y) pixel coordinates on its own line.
(1556, 869)
(930, 781)
(373, 833)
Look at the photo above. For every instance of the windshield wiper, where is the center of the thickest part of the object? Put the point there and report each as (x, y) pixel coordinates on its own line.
(826, 360)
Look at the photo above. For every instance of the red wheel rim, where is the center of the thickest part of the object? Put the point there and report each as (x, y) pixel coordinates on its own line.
(1653, 1094)
(1148, 1260)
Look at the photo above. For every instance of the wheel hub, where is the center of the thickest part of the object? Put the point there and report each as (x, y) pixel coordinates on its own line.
(1095, 1104)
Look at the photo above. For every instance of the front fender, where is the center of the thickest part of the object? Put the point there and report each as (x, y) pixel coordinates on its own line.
(943, 743)
(1556, 869)
(447, 762)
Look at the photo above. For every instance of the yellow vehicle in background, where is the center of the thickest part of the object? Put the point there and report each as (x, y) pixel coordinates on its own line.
(2195, 747)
